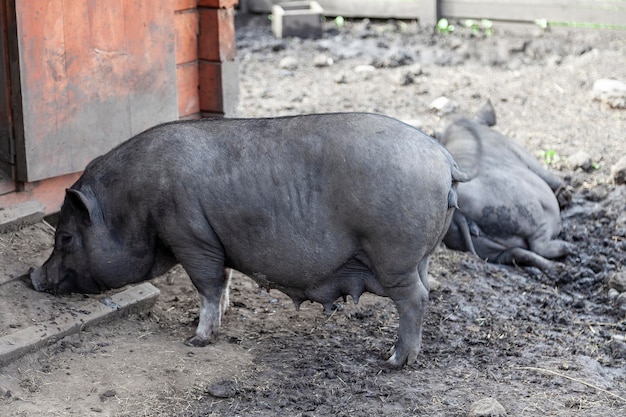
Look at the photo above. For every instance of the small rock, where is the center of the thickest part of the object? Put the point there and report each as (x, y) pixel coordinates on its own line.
(394, 58)
(618, 171)
(407, 75)
(223, 389)
(341, 78)
(365, 71)
(288, 63)
(554, 60)
(416, 70)
(107, 394)
(580, 159)
(444, 105)
(487, 407)
(5, 393)
(434, 284)
(620, 301)
(618, 348)
(416, 123)
(613, 294)
(359, 69)
(610, 92)
(403, 78)
(618, 281)
(620, 222)
(322, 60)
(518, 45)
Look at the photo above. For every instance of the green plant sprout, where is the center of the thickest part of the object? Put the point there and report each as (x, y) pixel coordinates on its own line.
(476, 27)
(443, 26)
(545, 24)
(550, 157)
(487, 26)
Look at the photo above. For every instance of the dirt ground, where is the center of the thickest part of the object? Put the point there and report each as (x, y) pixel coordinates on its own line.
(540, 344)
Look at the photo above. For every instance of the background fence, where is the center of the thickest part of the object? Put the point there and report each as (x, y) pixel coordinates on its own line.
(609, 14)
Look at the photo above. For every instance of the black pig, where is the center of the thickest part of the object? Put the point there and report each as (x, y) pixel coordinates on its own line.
(318, 207)
(509, 213)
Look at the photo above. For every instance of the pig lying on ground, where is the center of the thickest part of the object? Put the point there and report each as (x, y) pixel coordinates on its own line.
(317, 206)
(508, 213)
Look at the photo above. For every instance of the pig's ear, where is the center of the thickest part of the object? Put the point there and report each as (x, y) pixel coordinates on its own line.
(487, 114)
(80, 202)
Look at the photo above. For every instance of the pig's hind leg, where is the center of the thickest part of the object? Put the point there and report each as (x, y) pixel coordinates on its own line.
(410, 296)
(521, 256)
(496, 252)
(551, 249)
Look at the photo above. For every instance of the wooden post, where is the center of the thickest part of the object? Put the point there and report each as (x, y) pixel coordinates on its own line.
(186, 24)
(218, 70)
(429, 13)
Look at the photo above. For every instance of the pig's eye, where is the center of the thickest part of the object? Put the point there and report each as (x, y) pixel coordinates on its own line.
(63, 240)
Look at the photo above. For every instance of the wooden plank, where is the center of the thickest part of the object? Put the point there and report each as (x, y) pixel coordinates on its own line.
(15, 217)
(72, 320)
(600, 12)
(92, 75)
(404, 9)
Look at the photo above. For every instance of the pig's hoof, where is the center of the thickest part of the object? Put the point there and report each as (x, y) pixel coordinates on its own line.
(197, 341)
(400, 357)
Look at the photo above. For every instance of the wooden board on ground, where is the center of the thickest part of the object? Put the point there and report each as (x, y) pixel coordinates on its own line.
(14, 217)
(31, 319)
(73, 319)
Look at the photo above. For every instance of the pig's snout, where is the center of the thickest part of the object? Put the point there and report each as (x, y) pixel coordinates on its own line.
(38, 279)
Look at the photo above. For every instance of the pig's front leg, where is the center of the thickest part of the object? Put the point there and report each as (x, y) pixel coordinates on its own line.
(212, 281)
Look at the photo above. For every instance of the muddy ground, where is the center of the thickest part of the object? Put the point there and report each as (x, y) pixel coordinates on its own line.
(540, 344)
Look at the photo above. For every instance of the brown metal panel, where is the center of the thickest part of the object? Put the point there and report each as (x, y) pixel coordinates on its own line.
(151, 68)
(179, 5)
(93, 73)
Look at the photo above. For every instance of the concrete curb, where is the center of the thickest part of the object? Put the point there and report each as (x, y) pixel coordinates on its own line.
(21, 342)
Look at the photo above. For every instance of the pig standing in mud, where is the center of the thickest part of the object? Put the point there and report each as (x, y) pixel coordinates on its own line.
(508, 213)
(317, 206)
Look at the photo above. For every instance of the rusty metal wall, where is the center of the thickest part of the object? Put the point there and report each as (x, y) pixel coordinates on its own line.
(93, 73)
